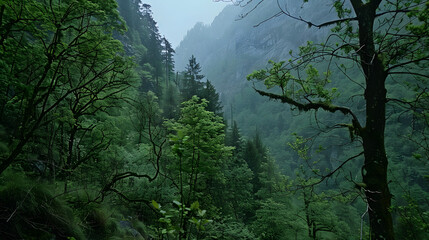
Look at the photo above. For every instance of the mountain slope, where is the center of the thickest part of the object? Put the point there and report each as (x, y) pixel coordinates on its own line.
(231, 47)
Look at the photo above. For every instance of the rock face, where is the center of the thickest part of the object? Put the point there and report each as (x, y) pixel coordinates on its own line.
(233, 46)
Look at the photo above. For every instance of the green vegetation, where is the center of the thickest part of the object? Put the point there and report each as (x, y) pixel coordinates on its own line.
(303, 87)
(102, 138)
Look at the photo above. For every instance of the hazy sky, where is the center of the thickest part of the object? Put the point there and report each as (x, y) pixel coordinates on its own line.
(176, 17)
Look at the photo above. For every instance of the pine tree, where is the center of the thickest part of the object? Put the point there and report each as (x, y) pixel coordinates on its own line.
(209, 93)
(168, 60)
(192, 84)
(255, 154)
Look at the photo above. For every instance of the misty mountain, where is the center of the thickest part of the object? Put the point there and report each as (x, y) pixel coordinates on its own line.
(239, 41)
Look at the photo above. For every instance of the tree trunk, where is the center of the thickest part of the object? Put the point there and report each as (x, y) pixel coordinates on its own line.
(374, 171)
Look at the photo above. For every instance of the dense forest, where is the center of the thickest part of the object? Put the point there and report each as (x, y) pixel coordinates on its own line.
(107, 132)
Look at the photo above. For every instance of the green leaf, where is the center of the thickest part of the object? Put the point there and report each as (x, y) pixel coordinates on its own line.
(201, 213)
(194, 220)
(156, 205)
(195, 205)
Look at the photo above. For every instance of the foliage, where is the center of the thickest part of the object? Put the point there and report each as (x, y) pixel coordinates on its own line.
(172, 219)
(361, 28)
(197, 142)
(229, 229)
(72, 61)
(311, 87)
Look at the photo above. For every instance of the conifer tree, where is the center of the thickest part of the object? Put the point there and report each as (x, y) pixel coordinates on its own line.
(192, 84)
(168, 60)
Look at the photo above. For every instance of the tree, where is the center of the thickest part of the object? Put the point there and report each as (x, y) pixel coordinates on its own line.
(255, 154)
(233, 139)
(143, 41)
(192, 84)
(168, 60)
(151, 39)
(210, 94)
(317, 212)
(197, 142)
(55, 53)
(388, 41)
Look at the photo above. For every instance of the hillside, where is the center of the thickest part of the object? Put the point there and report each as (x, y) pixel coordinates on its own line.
(232, 47)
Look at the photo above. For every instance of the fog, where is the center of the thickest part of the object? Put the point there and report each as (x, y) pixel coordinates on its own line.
(176, 17)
